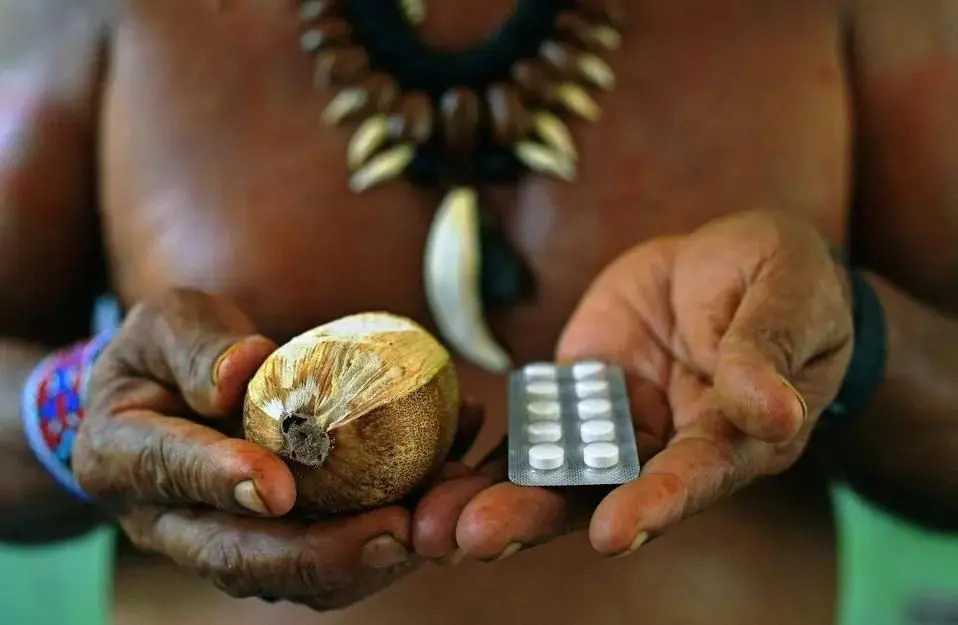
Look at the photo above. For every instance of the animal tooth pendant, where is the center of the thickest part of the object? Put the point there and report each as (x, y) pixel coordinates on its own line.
(366, 141)
(608, 37)
(545, 160)
(596, 71)
(416, 113)
(554, 133)
(344, 104)
(385, 166)
(578, 101)
(452, 266)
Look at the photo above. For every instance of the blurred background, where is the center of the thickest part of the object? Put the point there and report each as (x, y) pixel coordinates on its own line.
(890, 573)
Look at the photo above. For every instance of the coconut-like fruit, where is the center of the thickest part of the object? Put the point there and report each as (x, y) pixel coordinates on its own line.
(364, 410)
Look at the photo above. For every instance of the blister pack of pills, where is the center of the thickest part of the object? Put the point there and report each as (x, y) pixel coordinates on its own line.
(570, 425)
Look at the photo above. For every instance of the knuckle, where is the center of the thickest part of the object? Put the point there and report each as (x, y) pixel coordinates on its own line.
(330, 587)
(222, 562)
(675, 486)
(731, 466)
(671, 483)
(153, 468)
(310, 575)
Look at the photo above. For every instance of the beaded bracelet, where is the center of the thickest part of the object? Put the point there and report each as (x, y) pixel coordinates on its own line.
(53, 406)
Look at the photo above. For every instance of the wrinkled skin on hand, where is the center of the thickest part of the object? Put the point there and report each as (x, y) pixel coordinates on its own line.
(733, 339)
(160, 449)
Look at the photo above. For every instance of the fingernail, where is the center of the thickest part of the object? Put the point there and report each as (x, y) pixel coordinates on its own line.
(383, 552)
(246, 496)
(221, 359)
(801, 400)
(511, 550)
(453, 558)
(637, 542)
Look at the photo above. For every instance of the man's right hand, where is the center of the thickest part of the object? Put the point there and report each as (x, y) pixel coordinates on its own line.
(155, 449)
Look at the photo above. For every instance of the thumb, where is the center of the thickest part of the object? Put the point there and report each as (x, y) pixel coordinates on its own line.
(754, 362)
(755, 393)
(201, 344)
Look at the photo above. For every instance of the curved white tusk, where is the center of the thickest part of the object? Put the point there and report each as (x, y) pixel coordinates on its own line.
(452, 280)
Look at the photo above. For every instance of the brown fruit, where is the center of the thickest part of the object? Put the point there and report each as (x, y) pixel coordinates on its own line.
(363, 409)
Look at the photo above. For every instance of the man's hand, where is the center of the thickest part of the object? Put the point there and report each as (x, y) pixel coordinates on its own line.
(156, 450)
(733, 339)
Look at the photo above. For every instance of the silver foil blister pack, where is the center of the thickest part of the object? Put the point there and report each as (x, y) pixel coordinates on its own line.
(570, 425)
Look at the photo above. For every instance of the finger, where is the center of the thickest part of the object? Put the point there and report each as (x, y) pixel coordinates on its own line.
(334, 563)
(697, 469)
(437, 514)
(770, 339)
(621, 317)
(793, 312)
(621, 320)
(754, 393)
(176, 461)
(201, 344)
(506, 518)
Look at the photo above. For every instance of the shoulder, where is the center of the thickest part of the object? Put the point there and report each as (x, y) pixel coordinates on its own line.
(904, 86)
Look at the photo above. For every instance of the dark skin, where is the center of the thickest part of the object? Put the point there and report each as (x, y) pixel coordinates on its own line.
(208, 144)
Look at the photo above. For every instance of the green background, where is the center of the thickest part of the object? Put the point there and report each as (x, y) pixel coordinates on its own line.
(886, 564)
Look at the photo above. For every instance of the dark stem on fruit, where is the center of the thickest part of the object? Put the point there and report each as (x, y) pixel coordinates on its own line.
(306, 443)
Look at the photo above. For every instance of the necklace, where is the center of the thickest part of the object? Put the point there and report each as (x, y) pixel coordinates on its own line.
(459, 120)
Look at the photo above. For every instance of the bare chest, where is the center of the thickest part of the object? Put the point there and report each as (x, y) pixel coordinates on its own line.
(218, 172)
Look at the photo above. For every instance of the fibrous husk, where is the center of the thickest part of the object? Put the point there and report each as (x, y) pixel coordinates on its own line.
(363, 409)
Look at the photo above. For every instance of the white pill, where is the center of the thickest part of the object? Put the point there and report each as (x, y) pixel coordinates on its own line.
(595, 409)
(544, 432)
(589, 369)
(591, 388)
(546, 456)
(600, 455)
(597, 430)
(543, 389)
(543, 410)
(539, 370)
